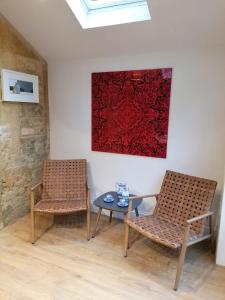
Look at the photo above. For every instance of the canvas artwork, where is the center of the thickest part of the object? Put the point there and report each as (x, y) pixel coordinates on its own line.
(130, 111)
(19, 87)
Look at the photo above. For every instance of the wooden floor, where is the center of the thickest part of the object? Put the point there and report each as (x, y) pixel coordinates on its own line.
(63, 265)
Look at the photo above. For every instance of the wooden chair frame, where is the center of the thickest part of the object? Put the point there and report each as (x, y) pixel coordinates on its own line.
(32, 212)
(185, 243)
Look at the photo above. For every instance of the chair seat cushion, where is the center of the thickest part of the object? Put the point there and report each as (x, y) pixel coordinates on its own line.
(160, 230)
(59, 206)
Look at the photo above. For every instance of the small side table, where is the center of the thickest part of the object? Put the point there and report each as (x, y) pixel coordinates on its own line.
(99, 202)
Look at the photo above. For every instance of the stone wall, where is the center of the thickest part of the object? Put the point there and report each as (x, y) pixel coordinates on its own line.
(24, 128)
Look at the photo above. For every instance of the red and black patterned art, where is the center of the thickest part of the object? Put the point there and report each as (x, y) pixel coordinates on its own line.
(130, 111)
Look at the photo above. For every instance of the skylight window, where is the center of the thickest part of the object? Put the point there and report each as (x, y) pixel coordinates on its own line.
(96, 13)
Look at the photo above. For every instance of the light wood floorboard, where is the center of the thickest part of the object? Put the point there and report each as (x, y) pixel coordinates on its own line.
(63, 265)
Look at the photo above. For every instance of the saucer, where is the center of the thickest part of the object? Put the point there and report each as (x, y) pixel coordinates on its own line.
(122, 204)
(108, 199)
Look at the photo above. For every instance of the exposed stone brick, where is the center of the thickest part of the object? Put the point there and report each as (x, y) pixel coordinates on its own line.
(24, 130)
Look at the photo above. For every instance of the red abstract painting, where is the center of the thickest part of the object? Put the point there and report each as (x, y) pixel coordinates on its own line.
(130, 112)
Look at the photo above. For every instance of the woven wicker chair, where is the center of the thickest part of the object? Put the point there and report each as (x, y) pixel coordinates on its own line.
(64, 191)
(179, 219)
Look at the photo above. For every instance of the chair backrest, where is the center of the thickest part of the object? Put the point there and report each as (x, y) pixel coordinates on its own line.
(64, 180)
(183, 197)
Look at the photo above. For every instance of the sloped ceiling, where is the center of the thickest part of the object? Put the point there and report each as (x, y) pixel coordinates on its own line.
(52, 29)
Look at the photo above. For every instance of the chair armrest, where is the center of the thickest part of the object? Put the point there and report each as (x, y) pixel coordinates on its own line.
(188, 227)
(35, 186)
(144, 196)
(88, 195)
(32, 195)
(195, 219)
(137, 197)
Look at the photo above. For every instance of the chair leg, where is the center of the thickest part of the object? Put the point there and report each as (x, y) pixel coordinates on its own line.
(88, 224)
(211, 231)
(181, 257)
(126, 239)
(32, 215)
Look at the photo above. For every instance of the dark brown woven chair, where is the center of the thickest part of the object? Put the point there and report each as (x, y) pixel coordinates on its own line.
(180, 217)
(64, 191)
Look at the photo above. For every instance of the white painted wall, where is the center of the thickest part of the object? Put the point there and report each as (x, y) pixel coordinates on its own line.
(220, 257)
(196, 129)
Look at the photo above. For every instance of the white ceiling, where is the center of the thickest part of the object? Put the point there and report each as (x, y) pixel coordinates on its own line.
(50, 26)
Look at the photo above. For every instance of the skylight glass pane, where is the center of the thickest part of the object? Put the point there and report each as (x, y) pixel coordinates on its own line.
(96, 4)
(97, 13)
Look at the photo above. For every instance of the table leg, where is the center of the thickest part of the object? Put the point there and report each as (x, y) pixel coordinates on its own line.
(136, 212)
(110, 217)
(126, 230)
(97, 221)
